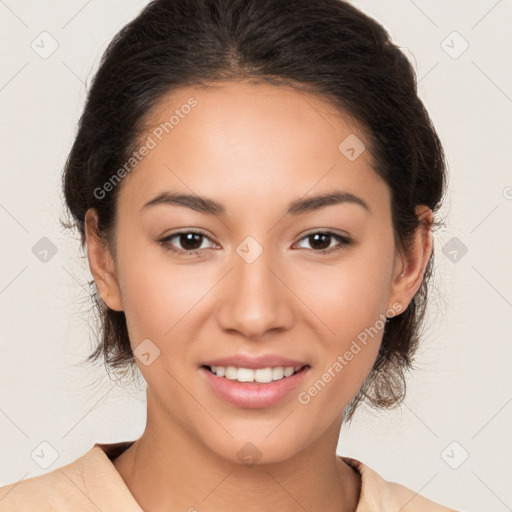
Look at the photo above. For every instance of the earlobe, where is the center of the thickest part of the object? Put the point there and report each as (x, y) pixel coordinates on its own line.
(408, 274)
(101, 264)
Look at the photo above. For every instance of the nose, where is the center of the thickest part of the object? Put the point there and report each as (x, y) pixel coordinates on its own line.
(255, 297)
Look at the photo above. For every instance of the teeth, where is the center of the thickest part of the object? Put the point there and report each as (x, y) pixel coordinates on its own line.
(277, 373)
(288, 371)
(261, 375)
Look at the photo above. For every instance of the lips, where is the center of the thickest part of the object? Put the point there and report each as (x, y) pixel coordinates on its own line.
(254, 395)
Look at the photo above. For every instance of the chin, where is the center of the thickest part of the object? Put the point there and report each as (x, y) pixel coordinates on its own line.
(257, 445)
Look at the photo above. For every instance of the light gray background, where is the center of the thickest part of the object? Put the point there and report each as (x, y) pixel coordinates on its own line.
(461, 391)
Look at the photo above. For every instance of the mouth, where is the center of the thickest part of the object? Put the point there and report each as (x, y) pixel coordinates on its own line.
(254, 388)
(255, 375)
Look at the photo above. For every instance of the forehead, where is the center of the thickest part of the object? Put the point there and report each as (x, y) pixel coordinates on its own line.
(241, 139)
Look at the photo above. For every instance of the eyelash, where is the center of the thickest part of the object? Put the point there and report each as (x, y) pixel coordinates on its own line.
(344, 243)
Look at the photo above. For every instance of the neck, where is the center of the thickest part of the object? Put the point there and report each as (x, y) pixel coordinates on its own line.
(167, 468)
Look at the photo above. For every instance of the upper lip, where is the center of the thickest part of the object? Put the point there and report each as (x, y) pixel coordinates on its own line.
(254, 362)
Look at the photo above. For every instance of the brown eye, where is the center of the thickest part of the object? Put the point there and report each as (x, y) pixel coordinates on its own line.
(190, 241)
(321, 241)
(185, 242)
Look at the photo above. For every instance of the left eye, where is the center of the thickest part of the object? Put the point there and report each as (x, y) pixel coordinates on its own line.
(321, 241)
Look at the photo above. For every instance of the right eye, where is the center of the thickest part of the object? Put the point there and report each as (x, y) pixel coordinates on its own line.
(191, 242)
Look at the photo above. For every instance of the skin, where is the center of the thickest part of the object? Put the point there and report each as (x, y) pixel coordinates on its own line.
(254, 148)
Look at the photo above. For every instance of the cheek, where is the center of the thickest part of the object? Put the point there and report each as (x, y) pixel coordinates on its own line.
(350, 295)
(349, 300)
(157, 294)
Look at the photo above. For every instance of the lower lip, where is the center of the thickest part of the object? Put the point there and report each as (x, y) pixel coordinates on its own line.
(253, 395)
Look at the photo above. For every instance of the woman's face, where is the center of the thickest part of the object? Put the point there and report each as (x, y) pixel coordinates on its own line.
(260, 284)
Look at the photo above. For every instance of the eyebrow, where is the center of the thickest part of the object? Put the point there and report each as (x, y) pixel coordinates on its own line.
(296, 207)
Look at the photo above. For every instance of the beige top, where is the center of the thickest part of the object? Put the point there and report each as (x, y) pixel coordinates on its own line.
(92, 483)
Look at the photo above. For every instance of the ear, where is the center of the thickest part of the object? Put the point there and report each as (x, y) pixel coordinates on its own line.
(411, 264)
(101, 263)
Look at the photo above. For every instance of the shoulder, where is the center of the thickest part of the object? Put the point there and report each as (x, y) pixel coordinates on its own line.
(379, 495)
(85, 485)
(51, 491)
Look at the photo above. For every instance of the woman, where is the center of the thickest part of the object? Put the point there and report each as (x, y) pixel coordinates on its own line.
(255, 183)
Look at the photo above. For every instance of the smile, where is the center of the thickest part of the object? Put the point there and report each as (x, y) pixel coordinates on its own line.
(253, 388)
(259, 375)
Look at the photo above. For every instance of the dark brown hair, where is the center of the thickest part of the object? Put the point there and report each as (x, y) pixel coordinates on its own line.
(326, 47)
